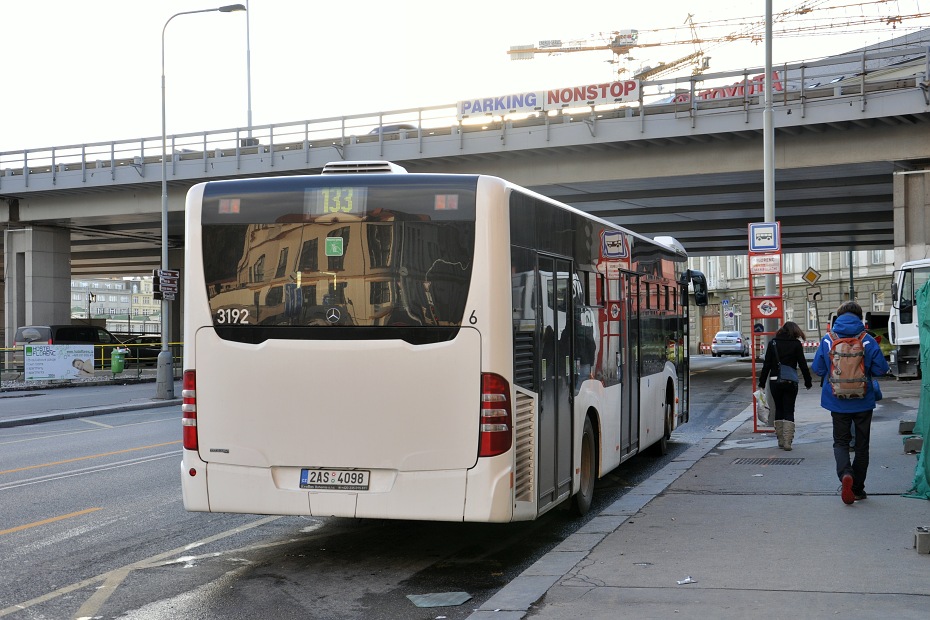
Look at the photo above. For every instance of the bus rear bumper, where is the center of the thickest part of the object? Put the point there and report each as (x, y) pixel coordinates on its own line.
(427, 495)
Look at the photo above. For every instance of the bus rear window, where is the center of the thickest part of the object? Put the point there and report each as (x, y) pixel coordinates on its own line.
(346, 252)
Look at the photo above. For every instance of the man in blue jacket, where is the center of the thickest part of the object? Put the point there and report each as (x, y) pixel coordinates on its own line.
(850, 413)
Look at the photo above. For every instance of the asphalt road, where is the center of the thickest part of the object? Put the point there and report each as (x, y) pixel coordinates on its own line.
(92, 525)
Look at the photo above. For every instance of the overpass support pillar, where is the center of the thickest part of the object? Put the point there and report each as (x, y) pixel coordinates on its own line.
(911, 215)
(37, 265)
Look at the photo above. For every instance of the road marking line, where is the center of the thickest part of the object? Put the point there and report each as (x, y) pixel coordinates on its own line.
(99, 597)
(94, 469)
(37, 436)
(20, 528)
(92, 456)
(89, 421)
(129, 567)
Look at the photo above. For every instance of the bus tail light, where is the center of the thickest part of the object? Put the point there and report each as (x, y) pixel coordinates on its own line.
(496, 424)
(189, 409)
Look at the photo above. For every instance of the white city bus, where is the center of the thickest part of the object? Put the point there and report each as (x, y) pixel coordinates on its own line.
(374, 344)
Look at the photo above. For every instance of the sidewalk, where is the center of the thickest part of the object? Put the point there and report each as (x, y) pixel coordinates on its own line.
(36, 404)
(758, 530)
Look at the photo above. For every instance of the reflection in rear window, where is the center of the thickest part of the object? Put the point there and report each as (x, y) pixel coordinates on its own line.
(376, 250)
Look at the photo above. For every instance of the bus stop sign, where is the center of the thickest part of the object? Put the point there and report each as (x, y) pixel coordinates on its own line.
(764, 237)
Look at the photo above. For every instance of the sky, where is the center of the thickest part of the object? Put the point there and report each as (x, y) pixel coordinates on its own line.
(90, 71)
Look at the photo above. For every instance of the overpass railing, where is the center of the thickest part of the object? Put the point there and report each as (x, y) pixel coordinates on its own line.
(857, 77)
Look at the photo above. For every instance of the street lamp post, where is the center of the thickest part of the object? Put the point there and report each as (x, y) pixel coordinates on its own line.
(248, 66)
(164, 382)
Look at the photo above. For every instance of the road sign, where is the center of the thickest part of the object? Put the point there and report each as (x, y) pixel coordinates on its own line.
(813, 293)
(165, 283)
(767, 308)
(764, 237)
(811, 276)
(766, 263)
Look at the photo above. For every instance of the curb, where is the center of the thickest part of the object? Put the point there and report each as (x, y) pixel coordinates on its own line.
(515, 599)
(86, 413)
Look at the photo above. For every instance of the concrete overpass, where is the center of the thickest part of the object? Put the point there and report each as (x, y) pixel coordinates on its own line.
(852, 143)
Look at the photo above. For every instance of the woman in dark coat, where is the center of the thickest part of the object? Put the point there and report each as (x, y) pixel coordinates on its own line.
(787, 349)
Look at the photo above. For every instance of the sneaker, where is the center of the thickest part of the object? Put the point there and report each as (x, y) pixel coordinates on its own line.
(861, 495)
(847, 492)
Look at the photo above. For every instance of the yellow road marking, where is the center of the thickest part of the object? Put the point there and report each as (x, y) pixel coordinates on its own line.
(44, 435)
(19, 528)
(92, 456)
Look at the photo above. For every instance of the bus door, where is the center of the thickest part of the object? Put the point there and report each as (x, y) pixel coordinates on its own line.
(629, 370)
(554, 322)
(682, 359)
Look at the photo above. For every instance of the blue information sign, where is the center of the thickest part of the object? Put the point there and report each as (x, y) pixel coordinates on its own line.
(764, 237)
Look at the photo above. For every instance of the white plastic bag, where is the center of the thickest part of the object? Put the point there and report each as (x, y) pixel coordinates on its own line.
(762, 407)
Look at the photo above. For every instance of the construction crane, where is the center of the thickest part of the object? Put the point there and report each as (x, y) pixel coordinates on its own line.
(622, 42)
(701, 63)
(697, 58)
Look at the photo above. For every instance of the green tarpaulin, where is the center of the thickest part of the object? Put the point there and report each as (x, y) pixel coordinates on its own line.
(921, 486)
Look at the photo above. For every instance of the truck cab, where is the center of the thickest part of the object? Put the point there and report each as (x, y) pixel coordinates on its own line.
(903, 321)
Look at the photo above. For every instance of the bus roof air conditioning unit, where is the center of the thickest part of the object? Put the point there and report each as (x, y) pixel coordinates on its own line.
(670, 242)
(356, 167)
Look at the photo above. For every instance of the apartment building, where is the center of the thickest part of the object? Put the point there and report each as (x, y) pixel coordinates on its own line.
(126, 305)
(864, 275)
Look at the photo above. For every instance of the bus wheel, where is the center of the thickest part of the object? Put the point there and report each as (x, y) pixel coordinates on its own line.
(660, 448)
(582, 499)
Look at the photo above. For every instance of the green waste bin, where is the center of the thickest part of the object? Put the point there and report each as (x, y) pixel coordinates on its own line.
(118, 360)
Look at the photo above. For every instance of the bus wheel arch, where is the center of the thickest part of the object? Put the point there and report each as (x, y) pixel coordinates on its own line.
(581, 501)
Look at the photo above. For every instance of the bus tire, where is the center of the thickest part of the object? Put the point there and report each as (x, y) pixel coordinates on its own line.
(660, 448)
(581, 502)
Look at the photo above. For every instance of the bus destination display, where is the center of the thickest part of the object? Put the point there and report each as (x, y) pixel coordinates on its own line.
(335, 200)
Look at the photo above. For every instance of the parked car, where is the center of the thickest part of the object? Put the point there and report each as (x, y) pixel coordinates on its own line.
(104, 342)
(143, 350)
(388, 129)
(729, 343)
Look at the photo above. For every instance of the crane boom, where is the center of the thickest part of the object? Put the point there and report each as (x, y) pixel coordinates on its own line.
(667, 66)
(621, 43)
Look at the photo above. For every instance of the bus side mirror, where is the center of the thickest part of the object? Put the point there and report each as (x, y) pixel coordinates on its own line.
(699, 281)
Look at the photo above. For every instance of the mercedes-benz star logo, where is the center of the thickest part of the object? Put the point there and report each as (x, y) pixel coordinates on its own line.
(332, 315)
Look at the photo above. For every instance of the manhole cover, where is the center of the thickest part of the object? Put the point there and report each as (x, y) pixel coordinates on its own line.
(769, 461)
